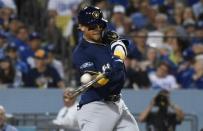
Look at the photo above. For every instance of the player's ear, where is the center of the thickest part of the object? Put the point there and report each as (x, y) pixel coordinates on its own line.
(81, 28)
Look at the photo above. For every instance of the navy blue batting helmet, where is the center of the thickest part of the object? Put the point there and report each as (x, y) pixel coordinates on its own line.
(90, 15)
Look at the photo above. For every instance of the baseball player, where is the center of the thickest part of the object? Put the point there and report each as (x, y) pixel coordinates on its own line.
(101, 107)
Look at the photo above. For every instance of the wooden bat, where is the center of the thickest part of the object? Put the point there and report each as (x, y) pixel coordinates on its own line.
(86, 86)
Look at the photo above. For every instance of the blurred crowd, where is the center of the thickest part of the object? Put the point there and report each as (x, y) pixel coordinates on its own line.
(165, 51)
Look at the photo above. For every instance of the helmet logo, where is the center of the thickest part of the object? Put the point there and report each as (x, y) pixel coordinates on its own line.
(95, 14)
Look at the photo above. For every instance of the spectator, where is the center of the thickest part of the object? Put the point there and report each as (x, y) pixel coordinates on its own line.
(66, 117)
(3, 43)
(188, 14)
(43, 75)
(198, 8)
(21, 40)
(169, 33)
(198, 36)
(6, 11)
(161, 21)
(34, 44)
(155, 37)
(118, 19)
(152, 60)
(12, 52)
(192, 76)
(178, 13)
(3, 125)
(62, 7)
(170, 5)
(136, 76)
(151, 17)
(190, 27)
(52, 34)
(166, 118)
(175, 56)
(7, 72)
(161, 79)
(51, 60)
(14, 25)
(138, 47)
(133, 7)
(20, 66)
(139, 20)
(184, 74)
(63, 10)
(198, 75)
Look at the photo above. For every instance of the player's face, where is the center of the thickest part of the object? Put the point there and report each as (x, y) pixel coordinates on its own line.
(93, 33)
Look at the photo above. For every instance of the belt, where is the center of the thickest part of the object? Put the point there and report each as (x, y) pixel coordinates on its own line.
(110, 98)
(113, 98)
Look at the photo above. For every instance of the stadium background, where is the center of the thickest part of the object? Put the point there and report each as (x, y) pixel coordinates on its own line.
(173, 29)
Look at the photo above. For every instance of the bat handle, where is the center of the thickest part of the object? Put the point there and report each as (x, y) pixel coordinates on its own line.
(86, 86)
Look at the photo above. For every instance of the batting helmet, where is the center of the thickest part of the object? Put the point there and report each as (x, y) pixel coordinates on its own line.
(90, 16)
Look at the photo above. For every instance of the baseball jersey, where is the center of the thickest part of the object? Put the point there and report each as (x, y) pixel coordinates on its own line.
(50, 76)
(91, 57)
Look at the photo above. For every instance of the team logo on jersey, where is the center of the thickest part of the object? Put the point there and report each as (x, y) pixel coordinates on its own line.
(86, 65)
(95, 14)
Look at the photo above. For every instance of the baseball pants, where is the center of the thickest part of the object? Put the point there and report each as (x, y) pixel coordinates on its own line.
(106, 116)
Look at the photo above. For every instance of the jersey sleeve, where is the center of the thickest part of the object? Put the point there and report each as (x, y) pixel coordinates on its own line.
(118, 69)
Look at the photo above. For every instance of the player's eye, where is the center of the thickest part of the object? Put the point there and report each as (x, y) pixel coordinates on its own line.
(94, 27)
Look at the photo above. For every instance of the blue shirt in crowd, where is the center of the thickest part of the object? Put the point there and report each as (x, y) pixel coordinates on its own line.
(50, 76)
(185, 78)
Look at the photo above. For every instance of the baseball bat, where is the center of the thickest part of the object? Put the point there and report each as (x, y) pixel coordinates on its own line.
(86, 86)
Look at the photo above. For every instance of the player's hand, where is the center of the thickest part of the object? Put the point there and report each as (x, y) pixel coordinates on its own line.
(109, 37)
(68, 94)
(101, 82)
(106, 69)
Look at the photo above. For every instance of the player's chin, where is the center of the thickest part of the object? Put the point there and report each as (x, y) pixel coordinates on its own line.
(97, 37)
